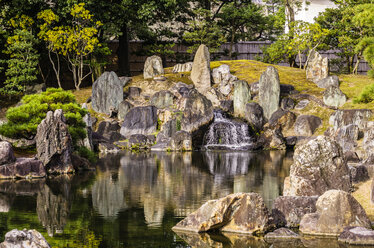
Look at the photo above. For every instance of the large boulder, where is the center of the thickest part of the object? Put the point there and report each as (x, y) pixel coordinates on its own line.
(241, 97)
(318, 166)
(289, 210)
(181, 141)
(23, 168)
(240, 212)
(254, 115)
(368, 144)
(24, 239)
(186, 67)
(317, 68)
(153, 67)
(334, 97)
(327, 82)
(107, 93)
(6, 153)
(336, 210)
(54, 144)
(345, 117)
(197, 115)
(269, 91)
(162, 99)
(200, 74)
(306, 125)
(109, 130)
(347, 136)
(140, 120)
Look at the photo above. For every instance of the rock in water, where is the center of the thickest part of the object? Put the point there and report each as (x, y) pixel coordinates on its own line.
(336, 210)
(200, 74)
(153, 67)
(240, 212)
(6, 153)
(281, 234)
(107, 93)
(288, 210)
(317, 68)
(357, 236)
(334, 97)
(318, 166)
(23, 168)
(54, 143)
(140, 120)
(23, 239)
(241, 97)
(249, 215)
(269, 91)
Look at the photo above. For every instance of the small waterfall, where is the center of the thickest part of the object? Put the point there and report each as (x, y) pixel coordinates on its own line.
(226, 134)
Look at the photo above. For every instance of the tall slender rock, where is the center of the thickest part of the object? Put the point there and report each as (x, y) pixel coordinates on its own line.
(269, 91)
(200, 74)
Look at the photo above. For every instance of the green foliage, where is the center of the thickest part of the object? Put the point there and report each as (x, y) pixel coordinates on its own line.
(23, 58)
(75, 42)
(302, 38)
(86, 153)
(24, 119)
(364, 19)
(204, 31)
(244, 20)
(366, 96)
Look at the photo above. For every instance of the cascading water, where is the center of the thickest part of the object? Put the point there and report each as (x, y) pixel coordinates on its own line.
(226, 134)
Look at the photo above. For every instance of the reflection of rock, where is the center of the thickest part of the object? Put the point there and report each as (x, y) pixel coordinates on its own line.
(53, 210)
(22, 187)
(230, 240)
(153, 211)
(107, 195)
(25, 238)
(4, 203)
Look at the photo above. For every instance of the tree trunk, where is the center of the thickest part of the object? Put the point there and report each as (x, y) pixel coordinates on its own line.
(231, 44)
(123, 53)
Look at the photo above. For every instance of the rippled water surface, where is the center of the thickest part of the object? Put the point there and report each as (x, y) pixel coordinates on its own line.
(133, 200)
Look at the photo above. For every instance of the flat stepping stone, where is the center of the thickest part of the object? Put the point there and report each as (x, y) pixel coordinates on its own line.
(357, 236)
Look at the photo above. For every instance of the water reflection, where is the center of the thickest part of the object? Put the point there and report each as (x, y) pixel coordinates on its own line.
(133, 200)
(183, 181)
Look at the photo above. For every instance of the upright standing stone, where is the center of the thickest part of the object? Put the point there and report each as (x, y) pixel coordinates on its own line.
(242, 96)
(269, 91)
(200, 74)
(54, 144)
(107, 93)
(317, 68)
(153, 67)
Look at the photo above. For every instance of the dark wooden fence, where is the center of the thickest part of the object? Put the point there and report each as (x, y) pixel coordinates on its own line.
(249, 50)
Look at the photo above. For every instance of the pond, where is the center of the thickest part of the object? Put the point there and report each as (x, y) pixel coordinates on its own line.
(134, 199)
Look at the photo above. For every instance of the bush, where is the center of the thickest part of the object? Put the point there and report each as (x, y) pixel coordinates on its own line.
(86, 153)
(366, 96)
(24, 119)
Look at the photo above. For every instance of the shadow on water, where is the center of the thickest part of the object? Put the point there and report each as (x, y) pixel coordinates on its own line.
(133, 200)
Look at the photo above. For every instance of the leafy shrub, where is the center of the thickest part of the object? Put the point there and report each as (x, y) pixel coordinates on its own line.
(24, 119)
(366, 96)
(86, 153)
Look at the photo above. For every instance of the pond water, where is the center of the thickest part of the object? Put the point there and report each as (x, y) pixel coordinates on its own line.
(133, 200)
